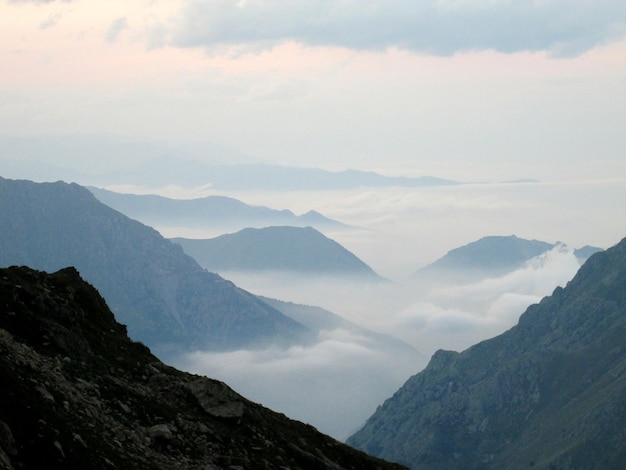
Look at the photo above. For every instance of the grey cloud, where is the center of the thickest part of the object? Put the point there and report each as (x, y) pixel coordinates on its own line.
(440, 27)
(52, 20)
(115, 29)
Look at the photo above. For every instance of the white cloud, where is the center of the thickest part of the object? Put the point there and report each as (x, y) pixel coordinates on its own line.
(436, 27)
(334, 384)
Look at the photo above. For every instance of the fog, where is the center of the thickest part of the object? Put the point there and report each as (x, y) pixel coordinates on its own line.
(336, 383)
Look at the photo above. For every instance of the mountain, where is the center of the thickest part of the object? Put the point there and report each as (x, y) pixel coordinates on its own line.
(257, 176)
(301, 250)
(157, 164)
(550, 393)
(274, 177)
(78, 393)
(491, 256)
(167, 300)
(215, 212)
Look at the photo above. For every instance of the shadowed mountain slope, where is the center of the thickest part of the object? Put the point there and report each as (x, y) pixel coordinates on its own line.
(167, 300)
(77, 393)
(303, 250)
(550, 393)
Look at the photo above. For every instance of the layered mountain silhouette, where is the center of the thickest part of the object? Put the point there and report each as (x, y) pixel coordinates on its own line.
(549, 393)
(216, 212)
(77, 393)
(257, 176)
(490, 256)
(302, 250)
(150, 164)
(167, 300)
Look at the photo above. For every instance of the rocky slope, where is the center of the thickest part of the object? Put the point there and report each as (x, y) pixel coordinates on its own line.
(550, 393)
(78, 393)
(302, 250)
(164, 297)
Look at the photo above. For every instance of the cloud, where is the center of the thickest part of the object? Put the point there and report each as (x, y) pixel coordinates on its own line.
(334, 384)
(439, 27)
(51, 21)
(115, 29)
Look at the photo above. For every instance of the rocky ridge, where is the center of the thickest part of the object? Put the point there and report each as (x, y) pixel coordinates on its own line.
(549, 393)
(78, 393)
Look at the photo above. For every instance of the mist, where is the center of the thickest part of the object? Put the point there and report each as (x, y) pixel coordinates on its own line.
(336, 383)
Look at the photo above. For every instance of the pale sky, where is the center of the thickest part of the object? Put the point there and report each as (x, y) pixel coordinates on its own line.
(461, 89)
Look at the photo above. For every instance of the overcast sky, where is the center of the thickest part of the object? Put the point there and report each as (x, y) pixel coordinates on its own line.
(463, 89)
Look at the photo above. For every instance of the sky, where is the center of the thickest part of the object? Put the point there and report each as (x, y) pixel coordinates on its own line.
(460, 89)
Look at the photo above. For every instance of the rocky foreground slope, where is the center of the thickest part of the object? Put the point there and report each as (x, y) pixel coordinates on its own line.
(550, 393)
(77, 393)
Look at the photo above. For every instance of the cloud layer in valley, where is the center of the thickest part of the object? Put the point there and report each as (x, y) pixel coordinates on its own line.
(336, 383)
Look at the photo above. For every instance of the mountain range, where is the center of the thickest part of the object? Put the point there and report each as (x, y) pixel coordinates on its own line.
(149, 164)
(77, 393)
(214, 212)
(549, 393)
(164, 297)
(490, 256)
(303, 251)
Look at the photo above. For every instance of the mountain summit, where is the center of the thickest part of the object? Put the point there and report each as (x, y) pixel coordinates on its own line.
(301, 250)
(550, 393)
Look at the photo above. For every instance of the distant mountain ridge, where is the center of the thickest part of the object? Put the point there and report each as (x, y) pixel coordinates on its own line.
(301, 250)
(258, 176)
(490, 256)
(212, 211)
(167, 300)
(550, 393)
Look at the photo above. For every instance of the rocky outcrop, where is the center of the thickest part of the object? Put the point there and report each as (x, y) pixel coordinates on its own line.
(78, 393)
(549, 393)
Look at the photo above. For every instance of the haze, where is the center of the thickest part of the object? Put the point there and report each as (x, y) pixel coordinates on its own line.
(479, 92)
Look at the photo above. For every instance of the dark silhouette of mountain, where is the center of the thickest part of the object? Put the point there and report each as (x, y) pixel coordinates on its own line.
(489, 257)
(167, 300)
(550, 393)
(77, 393)
(303, 250)
(212, 211)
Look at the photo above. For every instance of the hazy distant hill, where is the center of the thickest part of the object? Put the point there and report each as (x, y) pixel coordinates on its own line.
(302, 250)
(550, 393)
(157, 164)
(490, 257)
(166, 299)
(78, 394)
(216, 212)
(246, 176)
